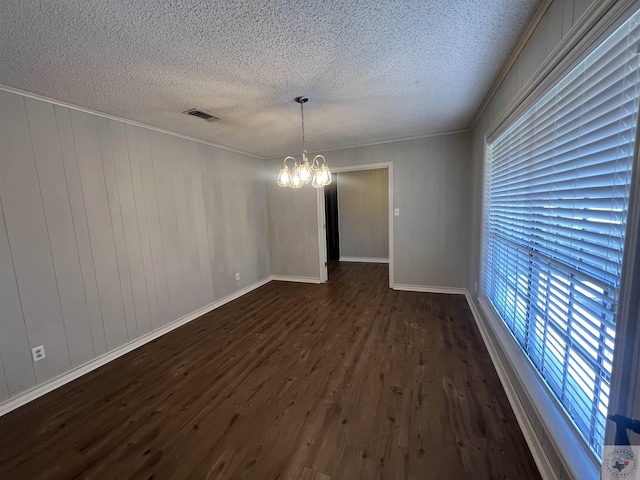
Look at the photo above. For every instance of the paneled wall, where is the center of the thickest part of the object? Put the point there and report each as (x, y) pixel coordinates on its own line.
(293, 228)
(431, 187)
(109, 231)
(363, 214)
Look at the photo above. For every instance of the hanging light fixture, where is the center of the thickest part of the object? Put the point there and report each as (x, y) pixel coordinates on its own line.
(304, 172)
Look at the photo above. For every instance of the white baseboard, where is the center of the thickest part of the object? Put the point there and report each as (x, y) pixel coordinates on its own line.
(537, 451)
(286, 278)
(50, 385)
(364, 259)
(428, 289)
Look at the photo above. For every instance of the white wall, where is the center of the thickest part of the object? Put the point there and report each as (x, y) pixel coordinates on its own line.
(109, 231)
(430, 187)
(363, 213)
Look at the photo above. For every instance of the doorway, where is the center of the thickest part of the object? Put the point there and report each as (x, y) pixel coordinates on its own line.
(331, 215)
(330, 238)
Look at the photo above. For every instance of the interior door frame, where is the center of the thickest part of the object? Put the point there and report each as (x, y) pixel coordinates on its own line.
(322, 220)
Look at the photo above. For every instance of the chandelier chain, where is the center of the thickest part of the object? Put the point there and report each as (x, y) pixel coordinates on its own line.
(302, 116)
(304, 171)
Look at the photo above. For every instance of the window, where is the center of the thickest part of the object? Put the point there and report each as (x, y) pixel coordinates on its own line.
(556, 196)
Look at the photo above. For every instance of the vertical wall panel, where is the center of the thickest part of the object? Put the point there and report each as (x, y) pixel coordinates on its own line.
(538, 46)
(130, 224)
(456, 212)
(161, 154)
(193, 251)
(554, 29)
(177, 163)
(567, 17)
(195, 170)
(148, 320)
(206, 167)
(55, 195)
(239, 210)
(219, 229)
(264, 257)
(29, 240)
(100, 230)
(430, 196)
(155, 231)
(224, 184)
(14, 342)
(107, 144)
(81, 228)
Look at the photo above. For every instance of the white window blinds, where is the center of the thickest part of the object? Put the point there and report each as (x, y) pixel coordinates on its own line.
(556, 194)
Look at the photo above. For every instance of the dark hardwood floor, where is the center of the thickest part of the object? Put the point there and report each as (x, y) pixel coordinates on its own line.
(346, 380)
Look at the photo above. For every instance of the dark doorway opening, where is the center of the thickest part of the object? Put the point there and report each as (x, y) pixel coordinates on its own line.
(331, 216)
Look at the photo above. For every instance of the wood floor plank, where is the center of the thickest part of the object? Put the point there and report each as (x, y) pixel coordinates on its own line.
(346, 380)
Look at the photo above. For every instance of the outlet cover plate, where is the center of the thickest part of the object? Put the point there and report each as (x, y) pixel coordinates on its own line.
(38, 353)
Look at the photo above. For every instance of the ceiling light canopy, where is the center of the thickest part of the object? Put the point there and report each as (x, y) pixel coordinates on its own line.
(317, 172)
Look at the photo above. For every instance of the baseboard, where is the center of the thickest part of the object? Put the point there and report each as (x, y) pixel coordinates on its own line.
(50, 385)
(286, 278)
(364, 259)
(537, 451)
(428, 289)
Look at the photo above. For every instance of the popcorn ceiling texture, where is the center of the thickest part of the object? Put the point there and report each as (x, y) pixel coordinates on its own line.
(374, 70)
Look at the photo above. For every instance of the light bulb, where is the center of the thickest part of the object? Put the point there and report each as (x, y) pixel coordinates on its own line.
(317, 181)
(327, 173)
(305, 172)
(296, 179)
(284, 177)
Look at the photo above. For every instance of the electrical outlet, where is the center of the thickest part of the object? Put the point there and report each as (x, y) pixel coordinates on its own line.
(396, 212)
(38, 353)
(237, 276)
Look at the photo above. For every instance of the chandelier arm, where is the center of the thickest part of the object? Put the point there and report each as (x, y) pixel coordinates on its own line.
(287, 158)
(324, 160)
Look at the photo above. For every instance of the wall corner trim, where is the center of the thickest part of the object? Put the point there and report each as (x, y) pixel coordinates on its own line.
(50, 385)
(537, 451)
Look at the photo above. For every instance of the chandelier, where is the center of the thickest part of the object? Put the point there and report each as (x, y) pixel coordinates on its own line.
(304, 171)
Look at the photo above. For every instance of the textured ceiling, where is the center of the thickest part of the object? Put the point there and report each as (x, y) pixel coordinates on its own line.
(373, 69)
